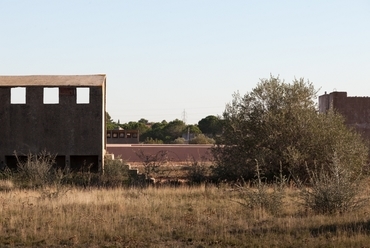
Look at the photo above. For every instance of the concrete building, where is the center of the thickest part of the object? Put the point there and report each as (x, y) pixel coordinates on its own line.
(356, 110)
(122, 136)
(63, 115)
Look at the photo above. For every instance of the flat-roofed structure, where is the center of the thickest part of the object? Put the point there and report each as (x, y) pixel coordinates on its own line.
(122, 136)
(355, 109)
(63, 115)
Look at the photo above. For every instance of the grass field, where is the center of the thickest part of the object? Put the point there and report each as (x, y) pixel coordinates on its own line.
(203, 216)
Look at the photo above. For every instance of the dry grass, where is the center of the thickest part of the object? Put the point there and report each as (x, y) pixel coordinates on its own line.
(6, 185)
(168, 217)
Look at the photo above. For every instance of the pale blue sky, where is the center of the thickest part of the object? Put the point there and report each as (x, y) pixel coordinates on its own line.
(164, 57)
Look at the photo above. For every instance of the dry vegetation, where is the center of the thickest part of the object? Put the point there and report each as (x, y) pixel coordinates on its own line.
(204, 216)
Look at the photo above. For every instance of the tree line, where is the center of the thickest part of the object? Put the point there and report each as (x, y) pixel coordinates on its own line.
(173, 132)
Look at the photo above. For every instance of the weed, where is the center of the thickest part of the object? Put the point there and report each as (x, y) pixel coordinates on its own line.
(261, 196)
(36, 170)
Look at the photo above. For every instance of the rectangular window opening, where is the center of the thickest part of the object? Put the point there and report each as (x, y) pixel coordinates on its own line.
(51, 95)
(83, 96)
(18, 95)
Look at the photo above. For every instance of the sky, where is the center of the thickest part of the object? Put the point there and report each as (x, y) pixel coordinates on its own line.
(171, 59)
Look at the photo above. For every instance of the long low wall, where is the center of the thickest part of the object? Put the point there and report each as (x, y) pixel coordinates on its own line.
(177, 153)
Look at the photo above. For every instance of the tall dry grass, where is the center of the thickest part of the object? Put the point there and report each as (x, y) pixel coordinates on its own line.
(168, 217)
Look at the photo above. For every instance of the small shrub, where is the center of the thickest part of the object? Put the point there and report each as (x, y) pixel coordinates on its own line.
(6, 174)
(332, 190)
(260, 195)
(202, 139)
(152, 162)
(115, 173)
(198, 172)
(153, 141)
(36, 170)
(179, 140)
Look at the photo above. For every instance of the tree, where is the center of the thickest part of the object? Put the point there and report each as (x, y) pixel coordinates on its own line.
(173, 130)
(155, 133)
(277, 123)
(211, 125)
(193, 129)
(110, 124)
(133, 125)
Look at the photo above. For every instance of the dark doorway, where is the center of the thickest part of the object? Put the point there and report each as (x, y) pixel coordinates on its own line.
(85, 163)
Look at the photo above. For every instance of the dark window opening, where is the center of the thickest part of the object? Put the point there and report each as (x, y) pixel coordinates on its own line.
(121, 135)
(12, 163)
(84, 163)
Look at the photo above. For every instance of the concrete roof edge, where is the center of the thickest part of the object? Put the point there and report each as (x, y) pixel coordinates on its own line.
(53, 80)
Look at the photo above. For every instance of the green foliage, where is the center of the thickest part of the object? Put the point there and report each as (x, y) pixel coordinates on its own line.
(152, 141)
(110, 124)
(201, 139)
(179, 141)
(141, 126)
(115, 173)
(156, 133)
(210, 125)
(277, 122)
(173, 130)
(193, 129)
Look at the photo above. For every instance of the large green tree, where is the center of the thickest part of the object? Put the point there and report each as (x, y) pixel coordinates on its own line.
(277, 124)
(173, 130)
(210, 125)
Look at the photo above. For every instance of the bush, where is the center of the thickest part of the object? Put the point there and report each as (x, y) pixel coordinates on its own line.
(202, 139)
(179, 140)
(198, 172)
(277, 123)
(262, 196)
(115, 173)
(36, 170)
(332, 190)
(153, 141)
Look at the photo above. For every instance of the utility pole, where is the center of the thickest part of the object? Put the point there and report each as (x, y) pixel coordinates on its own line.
(184, 116)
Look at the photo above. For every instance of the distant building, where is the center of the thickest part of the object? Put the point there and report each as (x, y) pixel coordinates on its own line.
(356, 110)
(121, 136)
(63, 115)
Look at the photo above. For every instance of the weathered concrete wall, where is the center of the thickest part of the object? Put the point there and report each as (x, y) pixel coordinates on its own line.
(356, 110)
(176, 153)
(73, 131)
